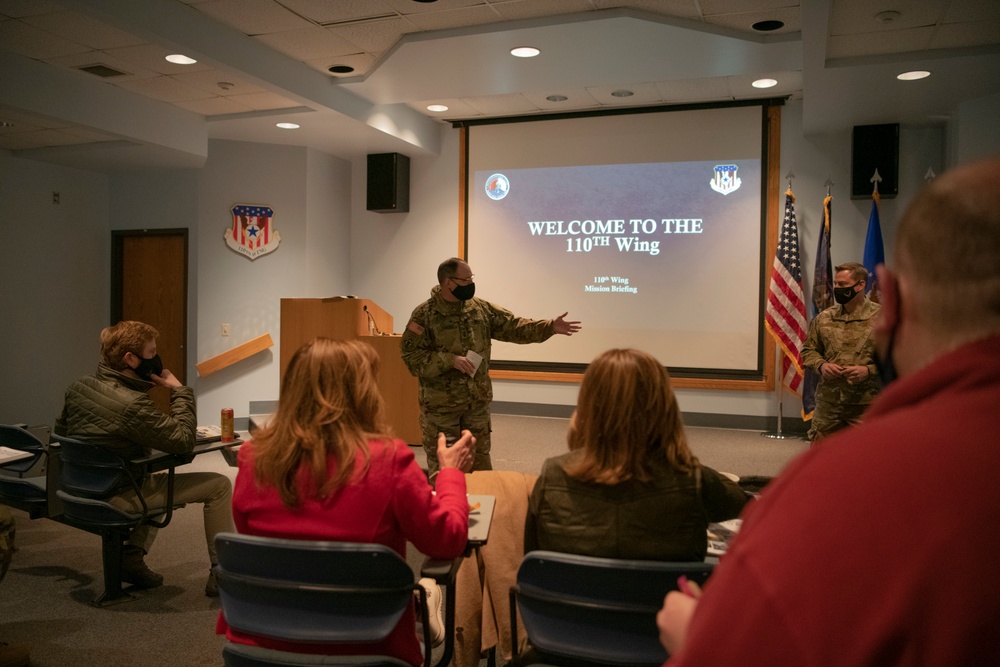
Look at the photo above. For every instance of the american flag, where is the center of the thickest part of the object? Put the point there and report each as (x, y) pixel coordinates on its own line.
(785, 316)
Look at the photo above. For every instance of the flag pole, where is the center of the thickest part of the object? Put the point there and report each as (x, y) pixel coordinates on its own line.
(779, 381)
(778, 434)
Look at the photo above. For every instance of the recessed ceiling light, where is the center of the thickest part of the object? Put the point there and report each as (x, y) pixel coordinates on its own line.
(436, 107)
(557, 98)
(341, 69)
(288, 126)
(765, 83)
(767, 26)
(622, 93)
(887, 17)
(525, 52)
(914, 75)
(180, 59)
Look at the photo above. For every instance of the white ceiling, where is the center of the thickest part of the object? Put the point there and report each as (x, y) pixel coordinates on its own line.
(265, 61)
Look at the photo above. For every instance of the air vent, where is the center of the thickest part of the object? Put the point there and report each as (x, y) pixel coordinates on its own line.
(102, 71)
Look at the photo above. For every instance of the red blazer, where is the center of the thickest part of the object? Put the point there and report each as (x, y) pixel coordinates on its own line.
(389, 503)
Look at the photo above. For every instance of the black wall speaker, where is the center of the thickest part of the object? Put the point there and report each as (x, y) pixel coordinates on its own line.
(388, 183)
(875, 147)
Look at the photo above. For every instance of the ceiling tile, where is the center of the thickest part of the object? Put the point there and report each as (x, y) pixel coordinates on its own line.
(29, 41)
(253, 17)
(214, 106)
(893, 41)
(409, 7)
(374, 36)
(681, 8)
(164, 88)
(522, 9)
(694, 90)
(716, 7)
(264, 101)
(309, 43)
(333, 11)
(960, 11)
(208, 81)
(501, 105)
(84, 29)
(959, 35)
(858, 16)
(455, 18)
(21, 8)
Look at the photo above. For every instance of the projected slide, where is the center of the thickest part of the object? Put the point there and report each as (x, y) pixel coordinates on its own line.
(664, 256)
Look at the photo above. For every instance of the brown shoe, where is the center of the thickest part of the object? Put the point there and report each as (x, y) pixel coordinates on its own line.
(134, 570)
(13, 655)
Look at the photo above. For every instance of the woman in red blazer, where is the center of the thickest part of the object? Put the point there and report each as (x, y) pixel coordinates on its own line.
(325, 468)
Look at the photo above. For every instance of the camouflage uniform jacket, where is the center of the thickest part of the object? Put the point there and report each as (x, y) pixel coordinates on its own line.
(839, 337)
(440, 330)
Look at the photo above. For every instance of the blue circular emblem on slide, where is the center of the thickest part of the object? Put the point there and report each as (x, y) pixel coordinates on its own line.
(497, 186)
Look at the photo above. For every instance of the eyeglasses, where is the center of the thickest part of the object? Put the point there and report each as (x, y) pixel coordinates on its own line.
(464, 281)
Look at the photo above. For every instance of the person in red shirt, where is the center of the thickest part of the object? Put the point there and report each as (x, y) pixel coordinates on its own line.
(325, 468)
(875, 547)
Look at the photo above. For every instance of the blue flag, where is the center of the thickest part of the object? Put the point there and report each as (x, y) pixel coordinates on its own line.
(874, 252)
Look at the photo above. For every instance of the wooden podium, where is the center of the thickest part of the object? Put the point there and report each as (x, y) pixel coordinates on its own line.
(342, 318)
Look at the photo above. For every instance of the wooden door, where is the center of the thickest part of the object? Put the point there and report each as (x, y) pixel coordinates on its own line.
(149, 284)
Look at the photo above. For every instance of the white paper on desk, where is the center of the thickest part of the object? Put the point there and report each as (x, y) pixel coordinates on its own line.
(475, 358)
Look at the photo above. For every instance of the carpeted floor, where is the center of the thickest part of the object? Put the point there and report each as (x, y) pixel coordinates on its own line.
(57, 569)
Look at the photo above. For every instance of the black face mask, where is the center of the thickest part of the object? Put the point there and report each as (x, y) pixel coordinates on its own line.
(844, 294)
(149, 367)
(464, 292)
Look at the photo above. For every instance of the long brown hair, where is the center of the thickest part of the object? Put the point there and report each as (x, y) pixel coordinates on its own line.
(330, 406)
(626, 416)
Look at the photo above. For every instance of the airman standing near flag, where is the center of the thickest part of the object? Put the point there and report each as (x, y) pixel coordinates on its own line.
(840, 348)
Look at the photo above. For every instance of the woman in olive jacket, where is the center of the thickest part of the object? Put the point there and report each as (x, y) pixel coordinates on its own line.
(629, 487)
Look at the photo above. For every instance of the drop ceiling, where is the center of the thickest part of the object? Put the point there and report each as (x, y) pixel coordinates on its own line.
(85, 83)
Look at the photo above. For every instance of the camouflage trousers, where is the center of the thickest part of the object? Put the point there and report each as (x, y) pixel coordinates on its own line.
(475, 418)
(828, 418)
(6, 539)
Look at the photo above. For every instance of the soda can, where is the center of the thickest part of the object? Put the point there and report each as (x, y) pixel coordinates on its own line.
(228, 434)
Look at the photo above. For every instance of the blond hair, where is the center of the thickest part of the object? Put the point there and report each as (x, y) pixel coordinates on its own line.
(626, 417)
(330, 407)
(948, 246)
(126, 336)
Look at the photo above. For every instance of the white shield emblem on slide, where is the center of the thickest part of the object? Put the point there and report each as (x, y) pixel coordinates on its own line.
(252, 232)
(725, 179)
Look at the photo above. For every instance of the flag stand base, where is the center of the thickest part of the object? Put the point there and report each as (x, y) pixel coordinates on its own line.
(778, 435)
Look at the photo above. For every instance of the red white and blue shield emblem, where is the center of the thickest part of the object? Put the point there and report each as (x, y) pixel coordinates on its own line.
(725, 179)
(252, 232)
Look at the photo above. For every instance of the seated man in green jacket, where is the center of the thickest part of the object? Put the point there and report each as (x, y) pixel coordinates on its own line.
(112, 409)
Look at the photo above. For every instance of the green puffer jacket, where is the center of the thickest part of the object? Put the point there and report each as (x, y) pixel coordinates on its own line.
(113, 410)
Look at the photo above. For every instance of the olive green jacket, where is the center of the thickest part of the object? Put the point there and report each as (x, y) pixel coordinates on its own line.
(664, 519)
(113, 410)
(440, 330)
(843, 338)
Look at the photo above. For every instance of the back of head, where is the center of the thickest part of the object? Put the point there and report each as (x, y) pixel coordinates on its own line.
(330, 406)
(626, 417)
(126, 336)
(948, 248)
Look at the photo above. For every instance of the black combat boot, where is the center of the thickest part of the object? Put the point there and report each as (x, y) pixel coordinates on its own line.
(134, 570)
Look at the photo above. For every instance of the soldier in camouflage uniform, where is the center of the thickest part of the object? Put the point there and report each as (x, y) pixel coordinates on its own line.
(840, 348)
(454, 394)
